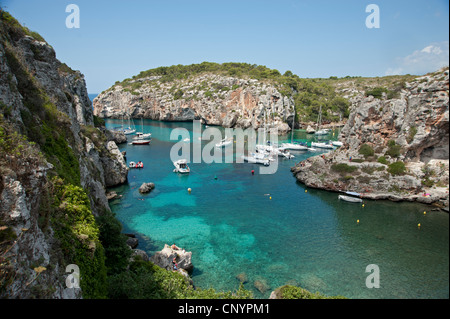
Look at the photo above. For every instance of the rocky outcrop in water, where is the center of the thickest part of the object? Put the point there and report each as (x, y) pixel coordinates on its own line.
(165, 257)
(213, 99)
(392, 148)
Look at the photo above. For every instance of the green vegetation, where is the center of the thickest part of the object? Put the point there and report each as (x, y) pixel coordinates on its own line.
(366, 150)
(412, 133)
(16, 29)
(397, 168)
(144, 280)
(308, 94)
(393, 149)
(382, 160)
(117, 252)
(428, 173)
(392, 92)
(293, 292)
(343, 168)
(78, 234)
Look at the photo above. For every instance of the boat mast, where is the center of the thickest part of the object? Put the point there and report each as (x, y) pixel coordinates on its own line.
(292, 129)
(319, 118)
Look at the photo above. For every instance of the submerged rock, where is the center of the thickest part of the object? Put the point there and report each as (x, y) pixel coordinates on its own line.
(261, 285)
(146, 188)
(242, 277)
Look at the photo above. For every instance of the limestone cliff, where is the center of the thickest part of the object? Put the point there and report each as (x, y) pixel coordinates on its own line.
(395, 148)
(46, 131)
(212, 98)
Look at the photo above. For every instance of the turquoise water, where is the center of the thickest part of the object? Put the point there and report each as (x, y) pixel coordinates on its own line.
(300, 236)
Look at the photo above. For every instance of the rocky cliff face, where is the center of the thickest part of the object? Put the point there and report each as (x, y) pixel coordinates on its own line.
(41, 99)
(213, 99)
(399, 146)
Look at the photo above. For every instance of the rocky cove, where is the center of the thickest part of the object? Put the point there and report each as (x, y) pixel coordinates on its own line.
(214, 99)
(57, 162)
(394, 149)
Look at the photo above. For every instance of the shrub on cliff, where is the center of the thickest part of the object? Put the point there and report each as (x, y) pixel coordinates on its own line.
(366, 150)
(343, 168)
(382, 160)
(117, 252)
(397, 168)
(145, 280)
(293, 292)
(393, 149)
(78, 235)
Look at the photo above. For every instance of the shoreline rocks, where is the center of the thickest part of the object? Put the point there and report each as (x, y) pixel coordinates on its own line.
(241, 103)
(395, 149)
(146, 188)
(164, 258)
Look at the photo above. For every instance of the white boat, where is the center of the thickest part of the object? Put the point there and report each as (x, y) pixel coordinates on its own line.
(129, 131)
(337, 143)
(226, 141)
(140, 142)
(136, 165)
(284, 152)
(140, 136)
(267, 151)
(350, 199)
(181, 166)
(256, 159)
(322, 145)
(294, 146)
(322, 132)
(319, 123)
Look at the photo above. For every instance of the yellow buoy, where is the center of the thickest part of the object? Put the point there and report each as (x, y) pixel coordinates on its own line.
(306, 190)
(424, 213)
(362, 205)
(418, 225)
(357, 221)
(189, 190)
(270, 197)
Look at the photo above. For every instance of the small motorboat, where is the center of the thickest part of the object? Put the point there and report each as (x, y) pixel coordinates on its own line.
(321, 145)
(140, 142)
(256, 159)
(284, 152)
(337, 143)
(350, 199)
(226, 141)
(295, 146)
(322, 132)
(136, 165)
(129, 131)
(181, 166)
(142, 136)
